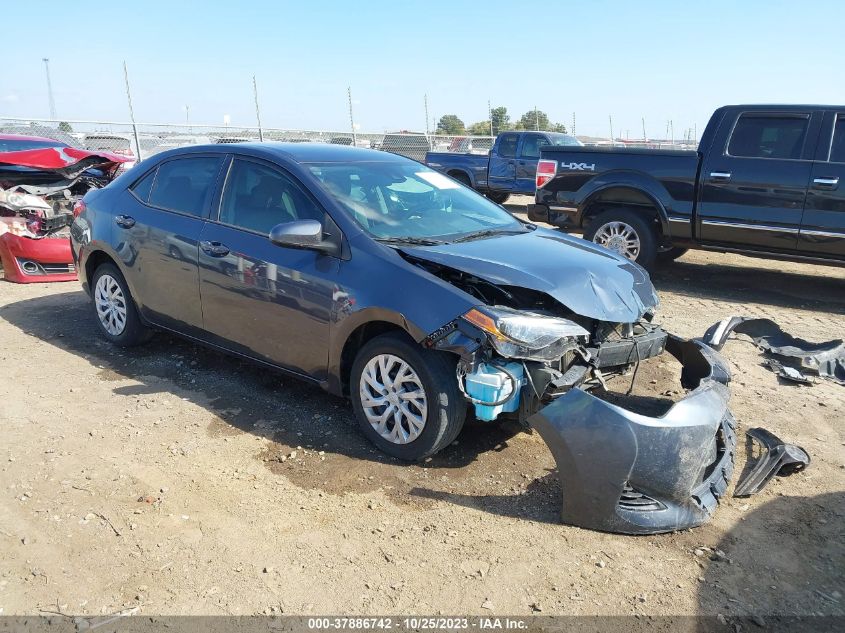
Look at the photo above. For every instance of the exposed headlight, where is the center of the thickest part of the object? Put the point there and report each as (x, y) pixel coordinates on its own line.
(527, 335)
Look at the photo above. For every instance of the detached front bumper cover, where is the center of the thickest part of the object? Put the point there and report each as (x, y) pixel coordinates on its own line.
(625, 472)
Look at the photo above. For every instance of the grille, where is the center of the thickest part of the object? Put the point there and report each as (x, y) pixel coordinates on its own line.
(633, 499)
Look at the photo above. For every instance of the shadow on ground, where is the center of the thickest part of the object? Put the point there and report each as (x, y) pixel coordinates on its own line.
(783, 567)
(296, 416)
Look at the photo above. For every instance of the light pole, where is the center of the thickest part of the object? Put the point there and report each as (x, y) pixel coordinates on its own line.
(49, 88)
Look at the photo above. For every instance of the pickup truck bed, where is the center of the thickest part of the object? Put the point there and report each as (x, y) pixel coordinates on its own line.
(764, 181)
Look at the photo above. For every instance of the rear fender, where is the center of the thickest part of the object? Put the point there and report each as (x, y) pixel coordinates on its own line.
(611, 187)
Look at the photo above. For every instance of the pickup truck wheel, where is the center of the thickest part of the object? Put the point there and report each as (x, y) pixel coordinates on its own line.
(499, 197)
(406, 398)
(670, 254)
(625, 232)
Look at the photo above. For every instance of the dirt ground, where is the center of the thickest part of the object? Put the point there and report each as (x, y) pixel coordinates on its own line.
(181, 481)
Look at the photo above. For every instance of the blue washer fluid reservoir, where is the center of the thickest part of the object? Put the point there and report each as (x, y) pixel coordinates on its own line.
(488, 383)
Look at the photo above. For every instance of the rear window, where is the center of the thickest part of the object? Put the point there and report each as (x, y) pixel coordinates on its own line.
(507, 145)
(184, 184)
(837, 148)
(767, 136)
(20, 145)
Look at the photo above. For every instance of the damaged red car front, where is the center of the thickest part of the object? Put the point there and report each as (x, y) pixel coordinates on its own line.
(41, 180)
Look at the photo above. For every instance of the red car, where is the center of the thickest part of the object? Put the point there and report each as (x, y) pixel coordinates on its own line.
(41, 180)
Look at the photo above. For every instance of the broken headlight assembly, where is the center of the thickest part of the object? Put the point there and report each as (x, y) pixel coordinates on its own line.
(527, 335)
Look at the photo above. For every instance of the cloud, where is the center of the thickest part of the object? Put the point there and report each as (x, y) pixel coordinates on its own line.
(10, 98)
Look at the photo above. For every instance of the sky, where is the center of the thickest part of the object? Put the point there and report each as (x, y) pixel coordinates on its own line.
(651, 60)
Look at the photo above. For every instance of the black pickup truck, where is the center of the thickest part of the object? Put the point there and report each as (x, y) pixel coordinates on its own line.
(764, 181)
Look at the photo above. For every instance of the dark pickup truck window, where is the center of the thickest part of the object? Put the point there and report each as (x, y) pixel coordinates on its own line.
(767, 136)
(837, 148)
(507, 145)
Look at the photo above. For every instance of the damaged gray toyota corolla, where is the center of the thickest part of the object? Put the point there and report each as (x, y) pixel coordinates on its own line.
(394, 285)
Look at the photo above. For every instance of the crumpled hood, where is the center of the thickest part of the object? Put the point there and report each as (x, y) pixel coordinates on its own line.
(586, 278)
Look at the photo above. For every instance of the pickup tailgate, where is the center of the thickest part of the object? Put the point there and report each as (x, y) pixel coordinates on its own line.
(581, 175)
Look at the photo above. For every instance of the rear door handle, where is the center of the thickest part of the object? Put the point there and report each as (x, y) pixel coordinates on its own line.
(825, 183)
(215, 249)
(125, 221)
(721, 176)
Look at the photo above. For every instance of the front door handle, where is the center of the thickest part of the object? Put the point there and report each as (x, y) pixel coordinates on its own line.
(125, 221)
(825, 183)
(720, 176)
(215, 249)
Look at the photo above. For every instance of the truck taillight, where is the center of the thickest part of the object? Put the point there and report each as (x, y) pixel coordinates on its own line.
(546, 170)
(78, 208)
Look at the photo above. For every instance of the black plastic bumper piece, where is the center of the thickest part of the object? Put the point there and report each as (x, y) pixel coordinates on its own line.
(625, 472)
(780, 459)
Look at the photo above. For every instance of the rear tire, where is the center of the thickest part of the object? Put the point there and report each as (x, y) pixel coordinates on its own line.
(625, 232)
(499, 197)
(114, 308)
(425, 388)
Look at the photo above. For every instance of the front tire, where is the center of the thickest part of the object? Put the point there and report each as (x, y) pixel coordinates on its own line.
(114, 308)
(406, 398)
(625, 232)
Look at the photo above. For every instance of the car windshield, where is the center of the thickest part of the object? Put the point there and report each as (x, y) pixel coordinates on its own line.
(563, 139)
(409, 201)
(20, 145)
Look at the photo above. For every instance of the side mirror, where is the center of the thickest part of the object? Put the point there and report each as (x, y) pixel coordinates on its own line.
(306, 234)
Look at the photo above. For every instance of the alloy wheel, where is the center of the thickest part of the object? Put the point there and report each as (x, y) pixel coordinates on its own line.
(393, 398)
(111, 305)
(620, 237)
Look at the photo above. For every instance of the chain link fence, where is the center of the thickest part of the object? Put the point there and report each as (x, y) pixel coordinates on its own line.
(143, 140)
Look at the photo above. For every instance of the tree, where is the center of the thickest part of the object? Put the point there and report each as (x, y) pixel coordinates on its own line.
(64, 126)
(451, 124)
(538, 120)
(482, 128)
(501, 120)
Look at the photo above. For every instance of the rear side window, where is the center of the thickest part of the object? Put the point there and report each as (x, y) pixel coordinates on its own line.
(142, 188)
(837, 148)
(765, 136)
(507, 145)
(531, 146)
(184, 184)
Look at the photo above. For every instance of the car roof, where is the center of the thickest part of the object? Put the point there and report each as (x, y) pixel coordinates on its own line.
(299, 152)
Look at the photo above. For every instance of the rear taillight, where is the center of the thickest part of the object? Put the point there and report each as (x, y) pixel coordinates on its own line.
(78, 208)
(546, 170)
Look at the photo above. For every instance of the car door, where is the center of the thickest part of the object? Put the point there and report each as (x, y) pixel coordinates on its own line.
(156, 231)
(526, 163)
(260, 299)
(754, 180)
(501, 170)
(823, 225)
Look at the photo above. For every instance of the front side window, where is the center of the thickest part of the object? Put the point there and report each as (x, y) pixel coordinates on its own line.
(507, 145)
(765, 136)
(837, 148)
(184, 184)
(258, 197)
(405, 200)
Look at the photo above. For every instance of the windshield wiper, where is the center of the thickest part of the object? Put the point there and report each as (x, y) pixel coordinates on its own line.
(408, 239)
(488, 233)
